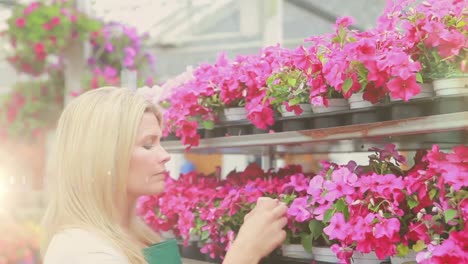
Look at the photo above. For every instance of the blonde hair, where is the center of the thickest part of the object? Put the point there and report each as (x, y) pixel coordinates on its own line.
(89, 166)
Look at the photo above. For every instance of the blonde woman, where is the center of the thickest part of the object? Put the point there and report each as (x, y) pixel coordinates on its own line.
(107, 153)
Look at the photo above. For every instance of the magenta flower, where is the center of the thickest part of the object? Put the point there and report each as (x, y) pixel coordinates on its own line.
(338, 228)
(342, 183)
(403, 88)
(315, 186)
(298, 209)
(387, 227)
(108, 46)
(298, 182)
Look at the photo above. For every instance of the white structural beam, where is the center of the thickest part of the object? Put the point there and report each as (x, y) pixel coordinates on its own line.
(250, 17)
(75, 59)
(272, 22)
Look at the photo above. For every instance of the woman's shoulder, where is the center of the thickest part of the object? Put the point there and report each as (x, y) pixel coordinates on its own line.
(80, 246)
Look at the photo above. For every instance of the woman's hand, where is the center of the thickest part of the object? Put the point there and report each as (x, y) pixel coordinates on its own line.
(261, 232)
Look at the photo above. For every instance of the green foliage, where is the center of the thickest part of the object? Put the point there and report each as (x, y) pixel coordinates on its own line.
(287, 86)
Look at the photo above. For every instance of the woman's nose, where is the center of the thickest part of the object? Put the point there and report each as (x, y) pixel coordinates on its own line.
(165, 157)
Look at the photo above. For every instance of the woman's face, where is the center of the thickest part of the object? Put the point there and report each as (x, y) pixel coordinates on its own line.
(148, 159)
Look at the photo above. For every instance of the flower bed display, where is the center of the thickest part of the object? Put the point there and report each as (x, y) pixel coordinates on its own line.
(412, 43)
(19, 242)
(376, 207)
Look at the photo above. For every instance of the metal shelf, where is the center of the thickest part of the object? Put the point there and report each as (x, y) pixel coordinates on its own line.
(408, 134)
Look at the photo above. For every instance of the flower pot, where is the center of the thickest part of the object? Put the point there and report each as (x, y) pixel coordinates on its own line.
(328, 121)
(449, 105)
(295, 251)
(402, 111)
(239, 130)
(410, 258)
(335, 104)
(364, 117)
(427, 90)
(192, 251)
(451, 86)
(324, 254)
(294, 125)
(366, 258)
(306, 109)
(215, 132)
(356, 101)
(167, 234)
(234, 114)
(170, 137)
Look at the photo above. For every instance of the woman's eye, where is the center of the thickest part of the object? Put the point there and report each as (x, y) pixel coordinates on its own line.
(148, 146)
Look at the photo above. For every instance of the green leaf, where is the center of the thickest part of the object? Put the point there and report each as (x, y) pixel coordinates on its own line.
(340, 205)
(292, 81)
(419, 246)
(402, 250)
(205, 235)
(316, 228)
(419, 78)
(295, 101)
(208, 124)
(271, 79)
(449, 215)
(412, 202)
(432, 193)
(328, 215)
(347, 85)
(306, 241)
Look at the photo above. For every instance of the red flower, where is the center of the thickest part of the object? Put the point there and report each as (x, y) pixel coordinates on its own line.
(55, 21)
(13, 59)
(72, 18)
(39, 48)
(40, 56)
(20, 22)
(95, 34)
(12, 112)
(403, 88)
(29, 9)
(53, 40)
(47, 26)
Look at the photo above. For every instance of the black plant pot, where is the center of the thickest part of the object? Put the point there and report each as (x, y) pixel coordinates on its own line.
(170, 137)
(256, 130)
(192, 251)
(217, 260)
(288, 260)
(407, 110)
(294, 124)
(239, 130)
(449, 105)
(328, 121)
(215, 132)
(365, 117)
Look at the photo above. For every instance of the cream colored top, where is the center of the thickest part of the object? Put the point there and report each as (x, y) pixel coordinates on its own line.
(78, 246)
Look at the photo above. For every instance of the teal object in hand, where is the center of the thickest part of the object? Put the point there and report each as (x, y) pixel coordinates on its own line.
(166, 252)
